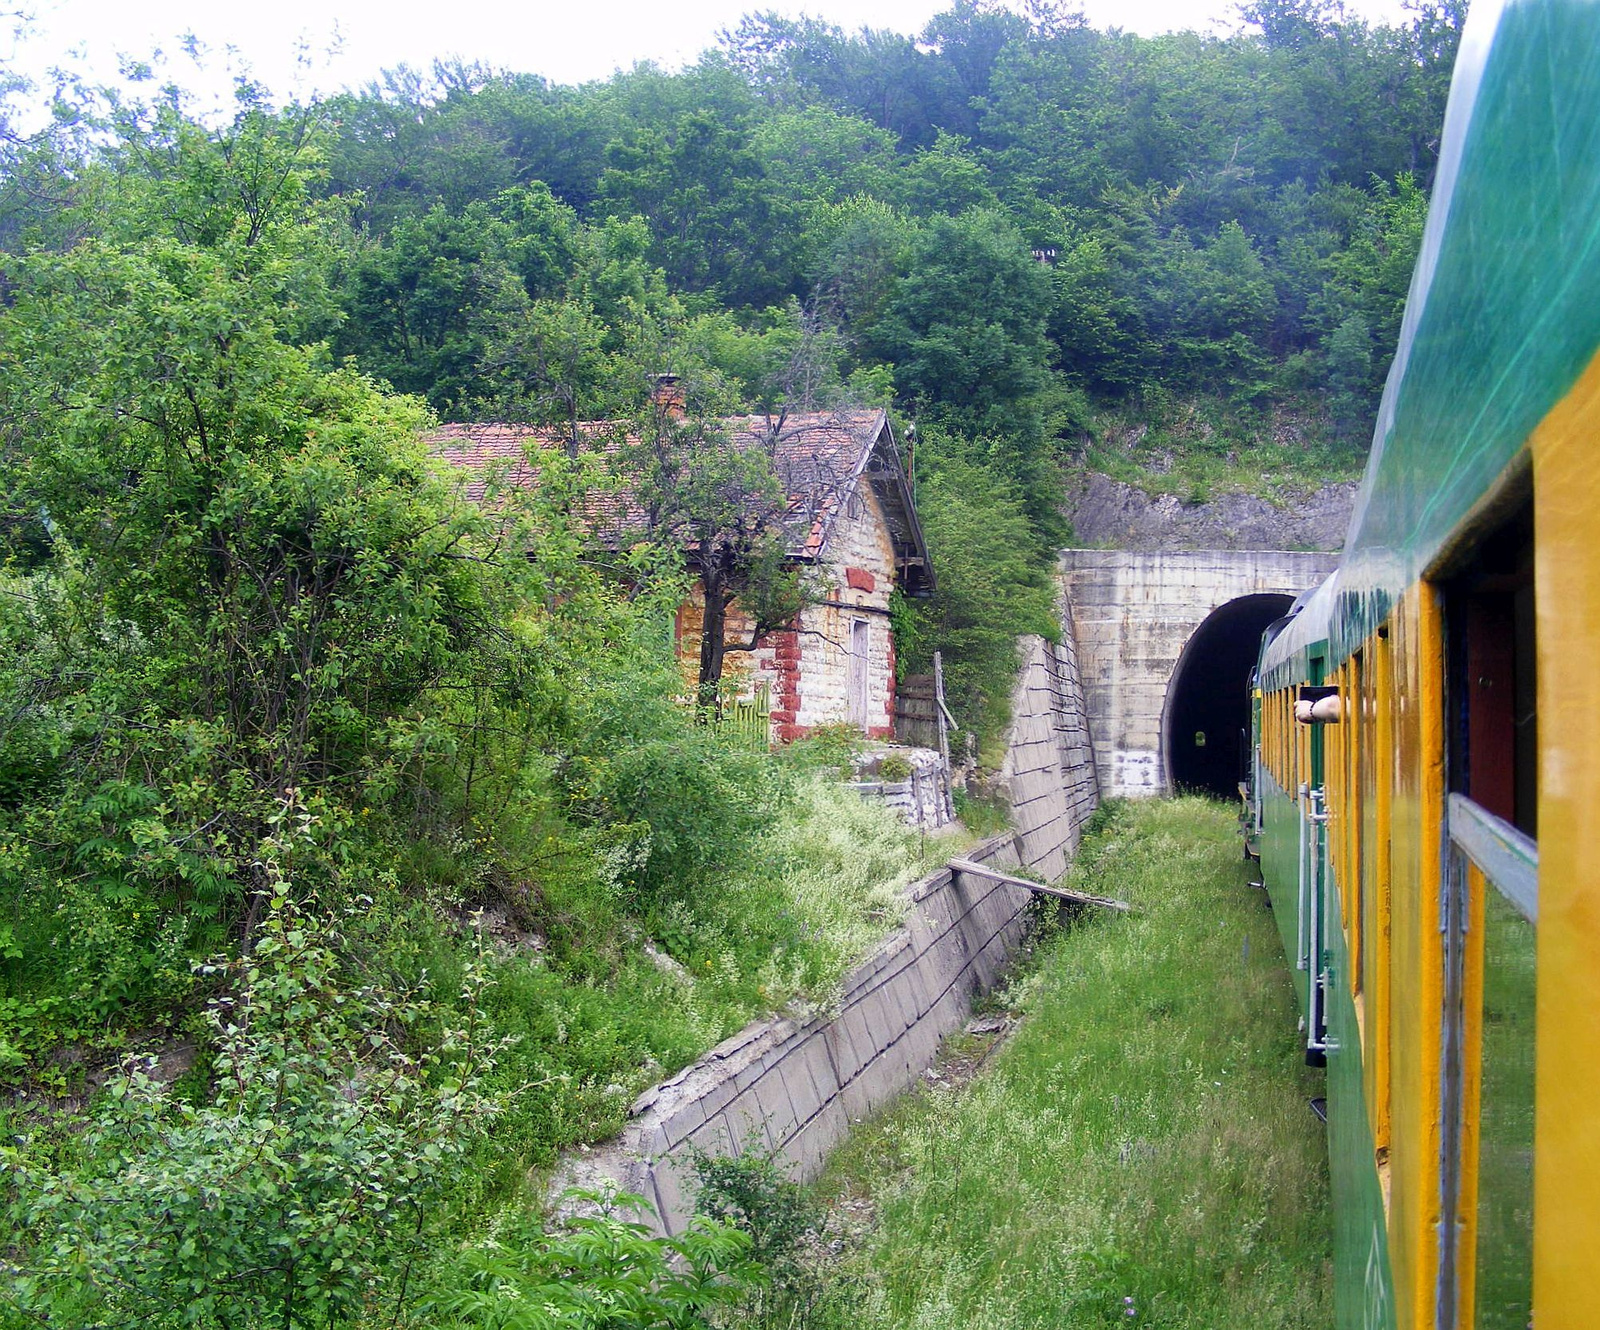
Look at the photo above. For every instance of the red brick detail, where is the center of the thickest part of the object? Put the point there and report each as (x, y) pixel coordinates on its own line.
(786, 660)
(859, 579)
(889, 706)
(880, 732)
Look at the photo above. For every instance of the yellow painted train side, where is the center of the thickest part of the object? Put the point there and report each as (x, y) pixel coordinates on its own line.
(1385, 783)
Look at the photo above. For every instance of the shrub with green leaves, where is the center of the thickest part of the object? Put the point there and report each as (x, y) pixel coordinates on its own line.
(993, 585)
(302, 1193)
(597, 1271)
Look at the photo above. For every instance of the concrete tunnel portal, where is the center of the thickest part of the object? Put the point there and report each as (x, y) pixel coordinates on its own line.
(1164, 641)
(1206, 720)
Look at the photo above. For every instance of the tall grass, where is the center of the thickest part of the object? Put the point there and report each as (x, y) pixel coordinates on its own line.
(1141, 1154)
(601, 1019)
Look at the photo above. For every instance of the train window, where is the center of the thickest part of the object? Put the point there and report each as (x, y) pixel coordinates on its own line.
(1492, 774)
(1503, 1270)
(1377, 757)
(1493, 732)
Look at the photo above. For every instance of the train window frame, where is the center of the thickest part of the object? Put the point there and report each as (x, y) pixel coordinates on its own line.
(1377, 890)
(1354, 742)
(1488, 839)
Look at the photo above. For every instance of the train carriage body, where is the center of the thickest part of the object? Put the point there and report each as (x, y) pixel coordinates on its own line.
(1425, 837)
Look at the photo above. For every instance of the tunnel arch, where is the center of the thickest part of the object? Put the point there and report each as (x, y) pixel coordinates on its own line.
(1207, 706)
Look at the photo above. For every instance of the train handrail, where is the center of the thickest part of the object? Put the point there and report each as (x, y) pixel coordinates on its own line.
(1507, 858)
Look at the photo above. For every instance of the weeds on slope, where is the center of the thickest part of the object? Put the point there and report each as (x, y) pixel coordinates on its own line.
(1141, 1154)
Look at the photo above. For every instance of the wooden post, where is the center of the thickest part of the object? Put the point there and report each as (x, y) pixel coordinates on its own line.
(1076, 897)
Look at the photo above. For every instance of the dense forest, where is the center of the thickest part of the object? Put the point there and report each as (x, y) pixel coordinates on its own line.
(357, 852)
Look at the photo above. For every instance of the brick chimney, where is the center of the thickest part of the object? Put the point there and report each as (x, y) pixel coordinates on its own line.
(668, 395)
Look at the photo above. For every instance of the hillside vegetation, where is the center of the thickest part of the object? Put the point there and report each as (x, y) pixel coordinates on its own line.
(357, 850)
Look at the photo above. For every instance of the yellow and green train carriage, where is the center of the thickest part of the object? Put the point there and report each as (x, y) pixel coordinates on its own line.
(1426, 781)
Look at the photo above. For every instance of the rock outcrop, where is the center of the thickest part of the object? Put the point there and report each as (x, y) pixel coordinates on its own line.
(1108, 514)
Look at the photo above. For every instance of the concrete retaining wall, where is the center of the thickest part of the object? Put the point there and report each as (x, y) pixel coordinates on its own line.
(1049, 769)
(795, 1088)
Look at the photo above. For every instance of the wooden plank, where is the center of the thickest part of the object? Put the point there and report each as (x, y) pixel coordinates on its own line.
(1078, 897)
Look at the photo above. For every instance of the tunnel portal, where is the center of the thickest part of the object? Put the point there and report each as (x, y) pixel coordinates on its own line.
(1207, 722)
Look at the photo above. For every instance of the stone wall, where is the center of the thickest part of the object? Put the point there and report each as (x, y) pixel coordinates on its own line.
(923, 799)
(808, 670)
(859, 578)
(1132, 614)
(1049, 767)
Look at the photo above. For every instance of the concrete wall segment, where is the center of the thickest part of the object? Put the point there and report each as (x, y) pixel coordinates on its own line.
(1132, 614)
(801, 1083)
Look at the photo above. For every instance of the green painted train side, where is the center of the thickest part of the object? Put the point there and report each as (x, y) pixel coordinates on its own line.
(1280, 861)
(1363, 1282)
(1363, 1295)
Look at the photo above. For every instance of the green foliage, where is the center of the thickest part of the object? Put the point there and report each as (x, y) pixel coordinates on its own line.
(301, 1194)
(1198, 445)
(753, 1194)
(992, 587)
(1349, 356)
(965, 331)
(894, 768)
(600, 1271)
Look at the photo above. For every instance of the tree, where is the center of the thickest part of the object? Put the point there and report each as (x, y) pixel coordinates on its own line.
(254, 570)
(721, 500)
(1350, 384)
(990, 587)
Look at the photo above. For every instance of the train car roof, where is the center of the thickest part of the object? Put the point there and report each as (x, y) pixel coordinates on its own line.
(1286, 655)
(1503, 314)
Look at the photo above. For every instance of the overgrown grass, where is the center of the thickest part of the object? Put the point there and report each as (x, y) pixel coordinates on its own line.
(1141, 1153)
(1199, 448)
(602, 993)
(595, 1026)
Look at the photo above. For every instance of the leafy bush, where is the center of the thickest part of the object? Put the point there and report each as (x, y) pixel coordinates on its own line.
(894, 768)
(599, 1271)
(992, 586)
(302, 1193)
(751, 1192)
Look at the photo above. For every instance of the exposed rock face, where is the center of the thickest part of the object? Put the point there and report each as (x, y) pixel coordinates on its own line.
(1107, 513)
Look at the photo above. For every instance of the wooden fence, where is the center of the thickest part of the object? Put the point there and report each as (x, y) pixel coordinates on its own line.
(743, 717)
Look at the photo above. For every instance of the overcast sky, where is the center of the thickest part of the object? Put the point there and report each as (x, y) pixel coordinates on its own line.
(569, 41)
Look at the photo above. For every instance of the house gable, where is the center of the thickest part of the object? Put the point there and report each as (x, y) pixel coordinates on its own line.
(825, 461)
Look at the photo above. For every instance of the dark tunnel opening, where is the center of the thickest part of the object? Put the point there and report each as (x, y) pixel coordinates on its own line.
(1208, 701)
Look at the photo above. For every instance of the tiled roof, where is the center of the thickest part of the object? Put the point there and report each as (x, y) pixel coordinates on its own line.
(818, 456)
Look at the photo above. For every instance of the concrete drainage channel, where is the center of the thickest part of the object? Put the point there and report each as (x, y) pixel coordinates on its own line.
(794, 1088)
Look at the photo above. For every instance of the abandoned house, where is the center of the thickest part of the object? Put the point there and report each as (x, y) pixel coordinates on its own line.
(850, 526)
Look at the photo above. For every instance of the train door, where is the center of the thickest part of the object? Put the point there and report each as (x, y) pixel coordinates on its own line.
(1315, 878)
